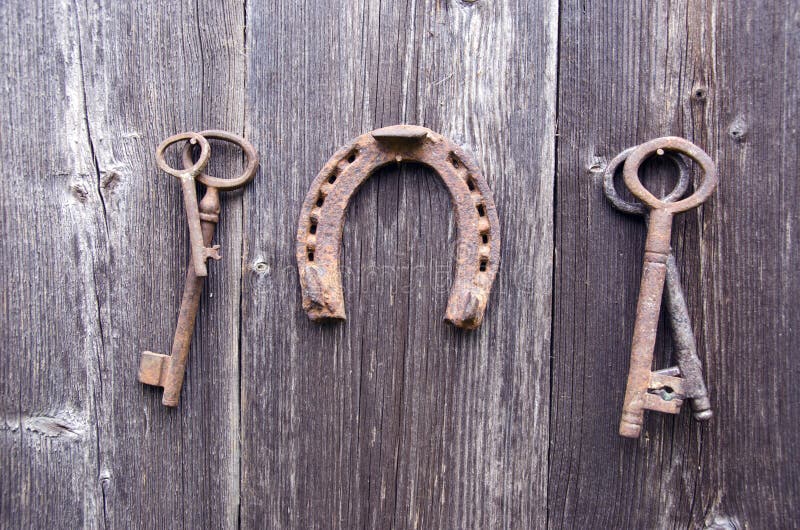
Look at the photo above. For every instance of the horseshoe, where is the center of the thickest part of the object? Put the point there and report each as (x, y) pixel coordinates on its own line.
(319, 230)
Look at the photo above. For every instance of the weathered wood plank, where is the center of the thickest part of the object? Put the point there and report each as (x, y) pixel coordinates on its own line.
(94, 266)
(696, 69)
(151, 72)
(394, 418)
(51, 217)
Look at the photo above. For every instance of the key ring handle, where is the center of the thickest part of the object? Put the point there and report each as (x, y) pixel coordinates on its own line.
(630, 173)
(221, 184)
(191, 170)
(635, 207)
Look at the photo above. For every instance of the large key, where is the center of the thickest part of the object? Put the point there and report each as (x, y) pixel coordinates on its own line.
(646, 389)
(689, 368)
(168, 370)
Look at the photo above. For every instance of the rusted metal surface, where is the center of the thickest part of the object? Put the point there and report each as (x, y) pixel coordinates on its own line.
(168, 370)
(322, 217)
(662, 390)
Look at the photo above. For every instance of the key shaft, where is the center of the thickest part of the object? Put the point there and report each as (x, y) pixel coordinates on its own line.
(201, 249)
(168, 371)
(685, 345)
(648, 309)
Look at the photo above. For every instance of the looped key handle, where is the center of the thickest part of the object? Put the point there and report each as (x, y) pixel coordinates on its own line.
(221, 184)
(641, 153)
(193, 169)
(200, 253)
(636, 207)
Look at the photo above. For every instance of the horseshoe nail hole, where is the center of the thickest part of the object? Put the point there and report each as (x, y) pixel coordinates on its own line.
(312, 229)
(320, 200)
(310, 254)
(484, 263)
(454, 160)
(481, 210)
(332, 178)
(485, 238)
(471, 184)
(352, 156)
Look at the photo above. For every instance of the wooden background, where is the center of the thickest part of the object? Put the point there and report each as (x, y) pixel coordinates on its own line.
(393, 418)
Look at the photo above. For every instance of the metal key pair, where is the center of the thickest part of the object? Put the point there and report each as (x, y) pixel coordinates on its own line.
(168, 370)
(661, 390)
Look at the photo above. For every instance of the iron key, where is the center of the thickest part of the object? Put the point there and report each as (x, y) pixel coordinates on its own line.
(689, 367)
(168, 370)
(643, 383)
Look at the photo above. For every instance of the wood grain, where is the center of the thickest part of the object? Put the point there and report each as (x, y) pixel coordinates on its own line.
(51, 336)
(163, 70)
(721, 74)
(95, 266)
(393, 418)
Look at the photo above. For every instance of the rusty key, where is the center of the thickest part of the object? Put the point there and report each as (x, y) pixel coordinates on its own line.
(168, 370)
(660, 390)
(689, 368)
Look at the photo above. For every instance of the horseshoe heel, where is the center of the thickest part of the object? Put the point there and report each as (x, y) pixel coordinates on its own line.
(319, 231)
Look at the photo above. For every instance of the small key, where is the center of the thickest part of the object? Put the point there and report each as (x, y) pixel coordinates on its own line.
(689, 368)
(661, 391)
(168, 370)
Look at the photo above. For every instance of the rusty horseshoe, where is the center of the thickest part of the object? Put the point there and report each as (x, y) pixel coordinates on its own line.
(319, 230)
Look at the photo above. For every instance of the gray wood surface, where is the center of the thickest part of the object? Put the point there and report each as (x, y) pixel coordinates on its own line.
(723, 74)
(393, 418)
